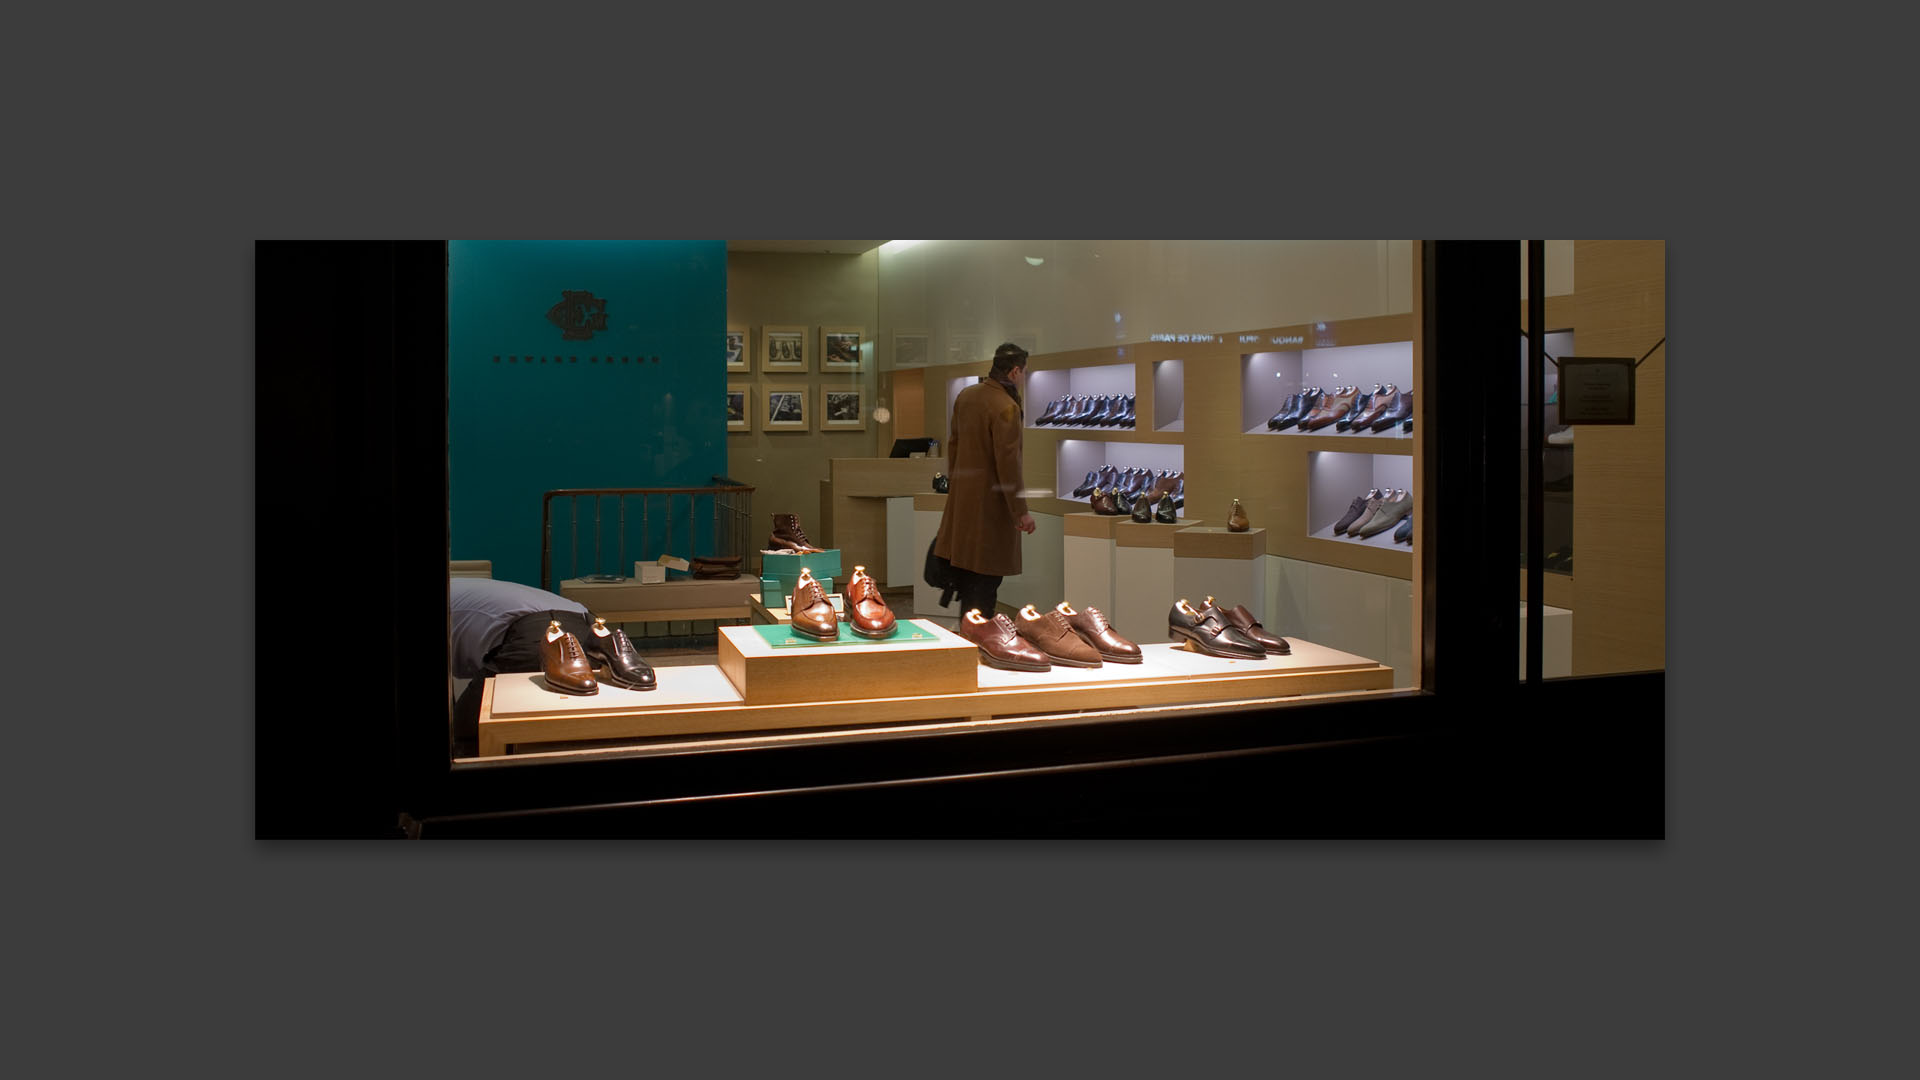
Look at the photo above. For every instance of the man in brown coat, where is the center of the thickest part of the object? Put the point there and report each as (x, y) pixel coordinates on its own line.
(984, 507)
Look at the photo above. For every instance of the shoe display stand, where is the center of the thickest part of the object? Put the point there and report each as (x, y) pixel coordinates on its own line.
(1229, 566)
(1267, 379)
(1087, 565)
(1142, 579)
(666, 601)
(1335, 478)
(517, 713)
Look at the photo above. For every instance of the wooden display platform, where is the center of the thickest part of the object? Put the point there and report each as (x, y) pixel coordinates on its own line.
(666, 601)
(517, 710)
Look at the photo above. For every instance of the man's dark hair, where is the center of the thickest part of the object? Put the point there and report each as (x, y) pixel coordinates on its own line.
(1007, 357)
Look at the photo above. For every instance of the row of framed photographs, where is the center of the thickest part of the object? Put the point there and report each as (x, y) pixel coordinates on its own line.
(790, 348)
(790, 407)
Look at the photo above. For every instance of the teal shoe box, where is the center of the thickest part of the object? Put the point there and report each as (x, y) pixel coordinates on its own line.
(778, 573)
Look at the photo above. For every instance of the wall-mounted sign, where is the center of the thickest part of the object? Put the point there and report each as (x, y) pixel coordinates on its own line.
(1596, 389)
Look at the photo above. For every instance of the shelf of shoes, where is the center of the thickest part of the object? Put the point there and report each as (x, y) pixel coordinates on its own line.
(1336, 481)
(1094, 399)
(1290, 392)
(1080, 463)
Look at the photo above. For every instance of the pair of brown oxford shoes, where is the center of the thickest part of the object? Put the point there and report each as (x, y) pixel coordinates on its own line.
(568, 664)
(1036, 640)
(810, 612)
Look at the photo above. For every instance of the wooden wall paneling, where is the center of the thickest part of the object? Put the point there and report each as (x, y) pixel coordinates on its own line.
(1619, 516)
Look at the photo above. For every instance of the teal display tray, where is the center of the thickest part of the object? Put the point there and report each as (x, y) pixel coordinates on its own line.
(782, 637)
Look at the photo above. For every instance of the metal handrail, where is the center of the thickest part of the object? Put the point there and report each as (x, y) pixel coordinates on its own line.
(732, 509)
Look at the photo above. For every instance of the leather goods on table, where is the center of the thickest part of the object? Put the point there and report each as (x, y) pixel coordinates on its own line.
(1390, 512)
(1094, 629)
(715, 566)
(1237, 519)
(1354, 510)
(1211, 634)
(867, 610)
(624, 666)
(788, 536)
(1050, 633)
(1142, 511)
(1000, 644)
(1164, 512)
(1103, 502)
(564, 662)
(810, 611)
(1242, 620)
(1122, 502)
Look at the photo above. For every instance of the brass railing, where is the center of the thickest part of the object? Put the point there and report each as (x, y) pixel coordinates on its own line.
(727, 503)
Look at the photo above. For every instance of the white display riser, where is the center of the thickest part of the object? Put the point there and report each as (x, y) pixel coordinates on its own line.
(1366, 614)
(1143, 592)
(904, 564)
(1087, 572)
(1556, 641)
(1228, 581)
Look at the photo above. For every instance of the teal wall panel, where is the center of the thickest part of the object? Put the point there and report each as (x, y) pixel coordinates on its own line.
(638, 403)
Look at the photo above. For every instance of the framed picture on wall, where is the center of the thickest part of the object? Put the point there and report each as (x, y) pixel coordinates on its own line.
(843, 408)
(738, 359)
(784, 407)
(963, 347)
(840, 348)
(783, 348)
(740, 406)
(910, 348)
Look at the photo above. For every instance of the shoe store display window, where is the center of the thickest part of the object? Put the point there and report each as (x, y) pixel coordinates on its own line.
(759, 588)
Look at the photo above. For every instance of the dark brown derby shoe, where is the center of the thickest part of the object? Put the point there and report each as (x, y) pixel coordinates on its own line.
(564, 662)
(1211, 634)
(624, 667)
(810, 610)
(1092, 626)
(1103, 502)
(1000, 644)
(1050, 633)
(867, 610)
(1242, 620)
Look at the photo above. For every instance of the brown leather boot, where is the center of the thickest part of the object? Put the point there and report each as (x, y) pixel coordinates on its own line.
(788, 536)
(565, 663)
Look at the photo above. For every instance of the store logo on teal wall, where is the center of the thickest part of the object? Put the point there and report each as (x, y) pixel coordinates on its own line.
(578, 314)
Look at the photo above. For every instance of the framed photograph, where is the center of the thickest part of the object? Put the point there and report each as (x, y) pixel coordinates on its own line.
(784, 408)
(840, 348)
(783, 348)
(910, 349)
(964, 348)
(740, 406)
(843, 408)
(739, 360)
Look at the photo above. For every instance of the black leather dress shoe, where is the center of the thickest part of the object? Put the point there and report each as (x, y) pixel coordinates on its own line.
(1360, 404)
(624, 667)
(1086, 489)
(1309, 401)
(1401, 412)
(1123, 502)
(1293, 402)
(1126, 412)
(940, 482)
(1211, 634)
(1164, 512)
(1142, 511)
(1053, 409)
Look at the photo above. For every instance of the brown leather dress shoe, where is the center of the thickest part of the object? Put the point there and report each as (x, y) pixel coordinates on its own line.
(788, 536)
(1241, 619)
(1050, 633)
(1000, 644)
(1237, 519)
(1094, 629)
(810, 611)
(1103, 503)
(1331, 410)
(867, 610)
(1209, 633)
(565, 663)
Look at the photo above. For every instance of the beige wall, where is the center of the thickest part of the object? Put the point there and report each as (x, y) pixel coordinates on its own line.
(780, 289)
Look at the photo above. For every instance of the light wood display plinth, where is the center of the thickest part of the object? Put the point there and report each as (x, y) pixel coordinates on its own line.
(1087, 563)
(666, 601)
(1231, 567)
(517, 711)
(768, 675)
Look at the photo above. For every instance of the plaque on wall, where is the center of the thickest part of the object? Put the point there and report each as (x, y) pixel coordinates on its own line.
(1596, 389)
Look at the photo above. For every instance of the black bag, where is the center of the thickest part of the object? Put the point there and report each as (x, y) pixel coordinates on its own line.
(939, 575)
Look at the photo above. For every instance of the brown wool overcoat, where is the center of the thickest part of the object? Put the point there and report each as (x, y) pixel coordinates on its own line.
(977, 530)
